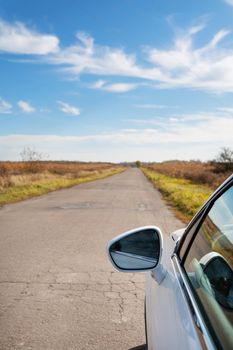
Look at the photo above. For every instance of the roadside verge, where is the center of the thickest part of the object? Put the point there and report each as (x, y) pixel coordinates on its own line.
(13, 194)
(184, 196)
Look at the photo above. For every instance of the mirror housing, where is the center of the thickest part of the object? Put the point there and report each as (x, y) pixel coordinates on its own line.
(136, 250)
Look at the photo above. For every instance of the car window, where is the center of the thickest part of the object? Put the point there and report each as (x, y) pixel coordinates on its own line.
(209, 265)
(187, 239)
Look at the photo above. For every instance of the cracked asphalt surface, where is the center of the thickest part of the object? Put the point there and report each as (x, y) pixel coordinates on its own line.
(57, 288)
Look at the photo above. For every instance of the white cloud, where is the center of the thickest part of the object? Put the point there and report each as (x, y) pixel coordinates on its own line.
(68, 109)
(226, 109)
(87, 57)
(196, 120)
(16, 38)
(26, 107)
(229, 2)
(187, 129)
(120, 87)
(207, 68)
(99, 84)
(181, 65)
(113, 153)
(171, 136)
(116, 87)
(5, 107)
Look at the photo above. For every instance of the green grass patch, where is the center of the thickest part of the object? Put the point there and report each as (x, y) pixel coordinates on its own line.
(185, 196)
(17, 193)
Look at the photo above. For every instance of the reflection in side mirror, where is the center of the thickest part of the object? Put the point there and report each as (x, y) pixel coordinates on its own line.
(136, 250)
(220, 277)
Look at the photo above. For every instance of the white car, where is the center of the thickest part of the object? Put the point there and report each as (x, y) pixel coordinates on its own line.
(189, 287)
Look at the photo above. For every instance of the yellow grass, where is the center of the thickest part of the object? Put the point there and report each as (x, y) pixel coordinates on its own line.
(196, 171)
(184, 195)
(14, 188)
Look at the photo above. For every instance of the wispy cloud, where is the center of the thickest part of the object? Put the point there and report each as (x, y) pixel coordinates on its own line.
(229, 2)
(120, 87)
(182, 64)
(174, 132)
(226, 110)
(86, 57)
(191, 136)
(68, 109)
(116, 87)
(99, 84)
(26, 107)
(5, 106)
(208, 67)
(16, 38)
(198, 119)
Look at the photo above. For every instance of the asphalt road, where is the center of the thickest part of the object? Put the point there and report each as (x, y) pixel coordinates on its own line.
(57, 288)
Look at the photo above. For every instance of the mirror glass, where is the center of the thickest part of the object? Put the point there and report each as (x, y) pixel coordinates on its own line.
(220, 276)
(138, 251)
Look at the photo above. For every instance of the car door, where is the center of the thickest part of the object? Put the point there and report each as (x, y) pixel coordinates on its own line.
(193, 306)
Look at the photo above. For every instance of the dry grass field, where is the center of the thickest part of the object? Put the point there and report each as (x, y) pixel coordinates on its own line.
(21, 180)
(186, 185)
(210, 174)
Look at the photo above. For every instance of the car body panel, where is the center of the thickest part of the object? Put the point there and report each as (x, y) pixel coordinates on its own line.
(167, 312)
(174, 319)
(176, 235)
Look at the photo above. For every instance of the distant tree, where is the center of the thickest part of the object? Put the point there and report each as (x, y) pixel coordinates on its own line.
(225, 156)
(224, 160)
(32, 159)
(29, 154)
(138, 163)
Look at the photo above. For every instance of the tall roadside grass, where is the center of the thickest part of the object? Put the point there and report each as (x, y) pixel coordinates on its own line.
(211, 174)
(185, 196)
(14, 188)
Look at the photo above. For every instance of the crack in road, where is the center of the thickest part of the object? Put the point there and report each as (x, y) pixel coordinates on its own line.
(114, 288)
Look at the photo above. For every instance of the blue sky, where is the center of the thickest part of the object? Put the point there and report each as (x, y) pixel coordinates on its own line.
(116, 80)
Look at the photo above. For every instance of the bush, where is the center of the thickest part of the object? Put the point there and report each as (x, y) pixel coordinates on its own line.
(3, 170)
(224, 161)
(195, 171)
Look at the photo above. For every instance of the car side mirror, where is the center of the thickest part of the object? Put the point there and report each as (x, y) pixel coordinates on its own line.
(136, 250)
